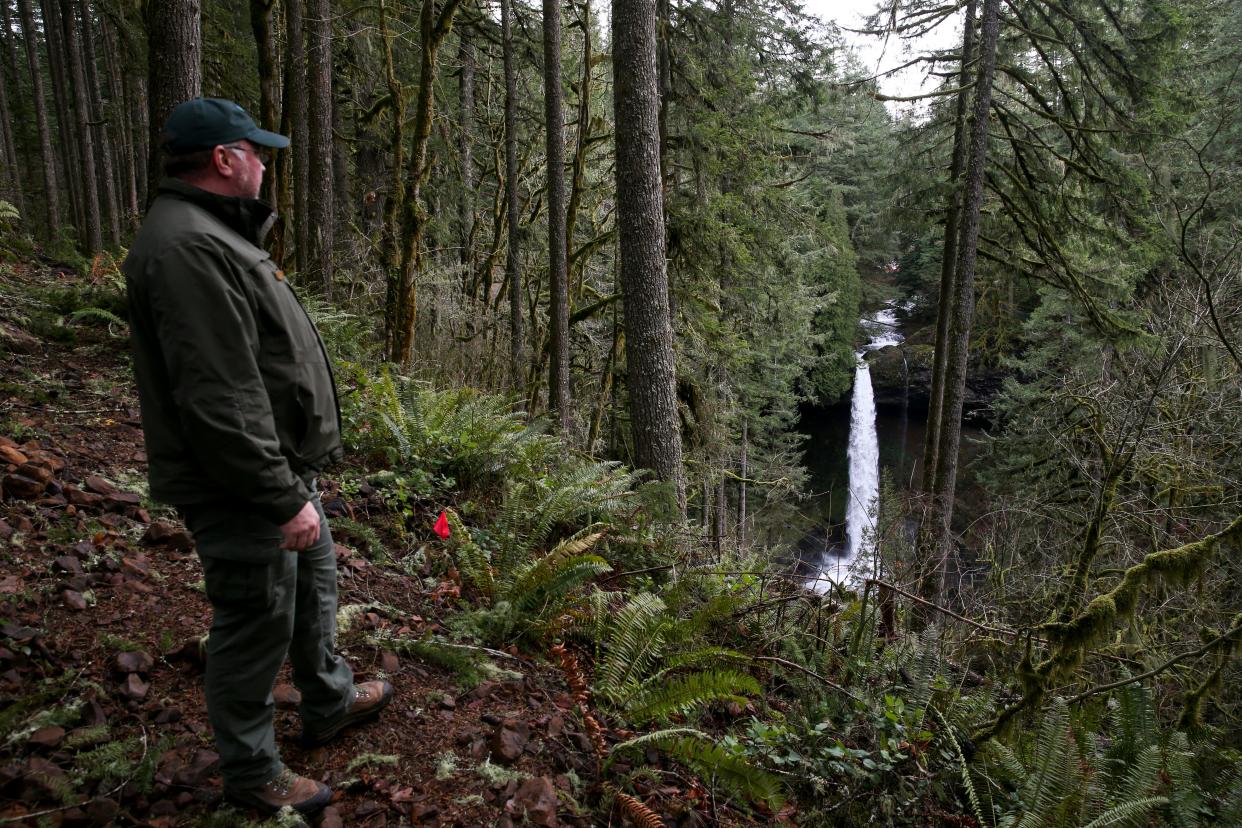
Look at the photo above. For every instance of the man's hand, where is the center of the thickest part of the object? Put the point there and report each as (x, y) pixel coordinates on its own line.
(302, 529)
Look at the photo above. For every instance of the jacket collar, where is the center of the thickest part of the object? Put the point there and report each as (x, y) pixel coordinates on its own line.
(248, 217)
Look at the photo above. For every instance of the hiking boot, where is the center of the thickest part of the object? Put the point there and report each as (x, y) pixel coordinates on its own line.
(370, 698)
(306, 796)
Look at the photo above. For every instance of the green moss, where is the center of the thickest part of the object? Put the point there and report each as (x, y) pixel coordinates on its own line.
(1070, 641)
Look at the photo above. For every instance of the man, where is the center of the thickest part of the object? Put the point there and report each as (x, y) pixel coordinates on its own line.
(239, 411)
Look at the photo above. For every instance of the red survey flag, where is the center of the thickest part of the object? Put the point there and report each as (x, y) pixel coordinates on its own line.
(442, 526)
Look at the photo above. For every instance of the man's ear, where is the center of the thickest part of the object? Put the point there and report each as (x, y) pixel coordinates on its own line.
(223, 161)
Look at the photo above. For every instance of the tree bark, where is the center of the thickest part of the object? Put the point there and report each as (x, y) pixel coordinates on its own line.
(140, 108)
(649, 355)
(513, 271)
(465, 215)
(948, 259)
(401, 309)
(744, 473)
(8, 132)
(174, 70)
(317, 264)
(82, 116)
(964, 302)
(293, 120)
(121, 106)
(265, 53)
(578, 180)
(67, 149)
(51, 192)
(102, 134)
(558, 278)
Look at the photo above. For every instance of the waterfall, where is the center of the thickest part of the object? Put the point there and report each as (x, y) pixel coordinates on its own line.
(864, 457)
(864, 461)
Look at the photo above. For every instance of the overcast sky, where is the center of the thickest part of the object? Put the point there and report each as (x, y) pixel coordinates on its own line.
(877, 55)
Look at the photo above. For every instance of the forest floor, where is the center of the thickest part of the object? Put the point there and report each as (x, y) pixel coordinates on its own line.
(101, 616)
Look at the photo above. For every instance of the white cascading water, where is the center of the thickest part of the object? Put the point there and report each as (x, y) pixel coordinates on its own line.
(864, 459)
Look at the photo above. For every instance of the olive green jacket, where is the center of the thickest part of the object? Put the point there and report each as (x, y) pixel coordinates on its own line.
(238, 399)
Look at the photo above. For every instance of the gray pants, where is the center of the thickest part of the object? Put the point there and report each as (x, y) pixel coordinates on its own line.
(266, 603)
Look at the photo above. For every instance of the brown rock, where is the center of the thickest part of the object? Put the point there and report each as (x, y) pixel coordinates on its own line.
(481, 692)
(134, 662)
(536, 800)
(98, 485)
(136, 565)
(6, 531)
(163, 808)
(200, 769)
(38, 470)
(53, 461)
(509, 740)
(168, 715)
(22, 487)
(14, 339)
(103, 811)
(134, 687)
(12, 456)
(366, 808)
(75, 600)
(68, 563)
(331, 818)
(424, 813)
(287, 697)
(81, 499)
(121, 501)
(165, 534)
(47, 737)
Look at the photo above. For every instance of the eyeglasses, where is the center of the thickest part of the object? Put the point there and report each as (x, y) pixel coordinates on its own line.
(264, 156)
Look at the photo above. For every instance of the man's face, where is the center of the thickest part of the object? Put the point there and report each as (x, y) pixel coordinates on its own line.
(248, 161)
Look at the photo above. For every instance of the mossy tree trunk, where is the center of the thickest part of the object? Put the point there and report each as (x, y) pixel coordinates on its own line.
(932, 583)
(558, 279)
(650, 365)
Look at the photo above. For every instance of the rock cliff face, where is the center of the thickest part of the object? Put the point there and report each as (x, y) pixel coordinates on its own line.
(905, 371)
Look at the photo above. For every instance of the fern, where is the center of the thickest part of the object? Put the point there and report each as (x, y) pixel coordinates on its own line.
(1185, 795)
(473, 561)
(98, 316)
(549, 577)
(1132, 814)
(662, 698)
(634, 643)
(712, 762)
(971, 794)
(1049, 786)
(635, 810)
(362, 534)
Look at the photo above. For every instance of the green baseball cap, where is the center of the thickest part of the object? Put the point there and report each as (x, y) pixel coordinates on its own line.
(203, 123)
